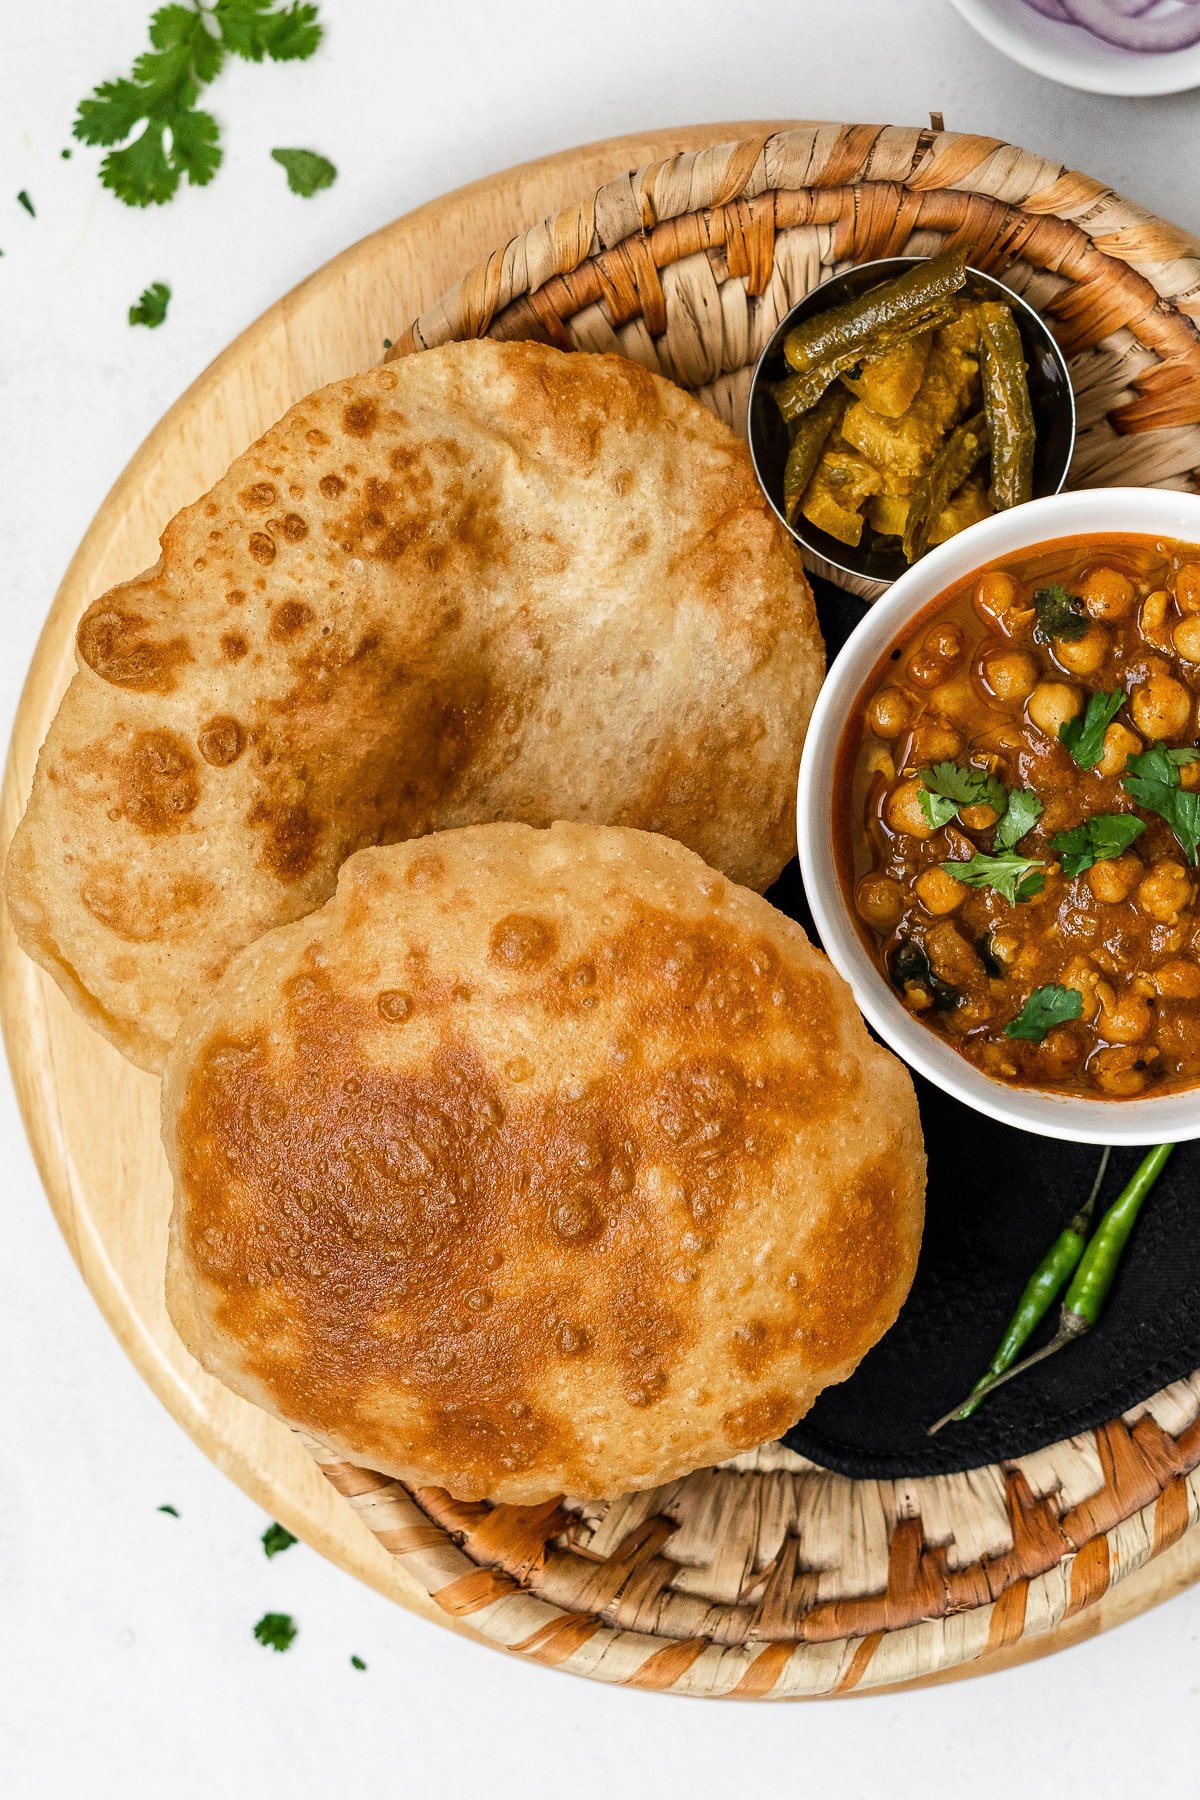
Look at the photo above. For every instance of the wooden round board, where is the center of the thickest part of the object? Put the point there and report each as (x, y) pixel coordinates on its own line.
(92, 1118)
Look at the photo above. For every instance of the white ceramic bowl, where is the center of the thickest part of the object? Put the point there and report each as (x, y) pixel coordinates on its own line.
(1153, 512)
(1069, 54)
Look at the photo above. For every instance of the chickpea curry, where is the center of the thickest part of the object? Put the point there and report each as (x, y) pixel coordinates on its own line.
(1018, 794)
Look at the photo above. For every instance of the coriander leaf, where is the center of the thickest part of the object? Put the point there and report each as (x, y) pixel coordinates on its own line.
(251, 28)
(24, 200)
(1084, 737)
(173, 1510)
(1014, 877)
(1152, 780)
(307, 172)
(1096, 840)
(1022, 813)
(277, 1538)
(937, 808)
(1059, 615)
(356, 1662)
(151, 309)
(1046, 1007)
(947, 787)
(277, 1631)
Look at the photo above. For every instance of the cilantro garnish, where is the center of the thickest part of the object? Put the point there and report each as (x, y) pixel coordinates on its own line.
(151, 309)
(307, 172)
(1022, 813)
(1084, 737)
(356, 1662)
(1046, 1007)
(189, 42)
(24, 200)
(277, 1538)
(947, 787)
(1152, 779)
(1096, 840)
(277, 1631)
(168, 1508)
(1059, 615)
(1013, 877)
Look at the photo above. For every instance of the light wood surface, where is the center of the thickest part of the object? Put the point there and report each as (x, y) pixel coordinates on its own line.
(93, 1119)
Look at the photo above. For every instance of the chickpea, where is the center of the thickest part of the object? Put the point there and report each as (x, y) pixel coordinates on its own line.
(1189, 775)
(1005, 946)
(880, 902)
(1186, 637)
(1187, 588)
(930, 743)
(995, 592)
(938, 892)
(978, 818)
(1123, 1018)
(1086, 654)
(1165, 892)
(1119, 745)
(1115, 1070)
(1082, 975)
(1107, 594)
(1115, 879)
(1051, 704)
(904, 811)
(1161, 706)
(1010, 674)
(951, 957)
(1178, 979)
(937, 655)
(1153, 619)
(878, 762)
(890, 712)
(1058, 1053)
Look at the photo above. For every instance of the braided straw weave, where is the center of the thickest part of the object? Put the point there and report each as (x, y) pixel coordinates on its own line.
(769, 1577)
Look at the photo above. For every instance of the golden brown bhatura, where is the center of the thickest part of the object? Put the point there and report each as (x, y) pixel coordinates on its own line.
(537, 1161)
(490, 581)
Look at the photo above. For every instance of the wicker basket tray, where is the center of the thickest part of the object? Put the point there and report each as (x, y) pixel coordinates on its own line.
(769, 1577)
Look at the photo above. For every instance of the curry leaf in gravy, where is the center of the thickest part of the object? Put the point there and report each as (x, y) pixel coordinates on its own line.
(946, 787)
(909, 967)
(1022, 813)
(1084, 737)
(1059, 615)
(1152, 779)
(1013, 877)
(1096, 840)
(992, 966)
(1046, 1007)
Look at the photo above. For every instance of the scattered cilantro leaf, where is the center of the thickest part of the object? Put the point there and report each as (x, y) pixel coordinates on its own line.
(1084, 737)
(307, 172)
(356, 1662)
(909, 966)
(1096, 840)
(1046, 1007)
(66, 155)
(24, 200)
(151, 309)
(1059, 615)
(947, 787)
(168, 1508)
(1152, 780)
(1014, 877)
(188, 48)
(387, 343)
(277, 1631)
(1022, 813)
(277, 1538)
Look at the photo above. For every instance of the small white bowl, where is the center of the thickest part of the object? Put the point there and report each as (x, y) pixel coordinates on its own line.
(1076, 57)
(1150, 512)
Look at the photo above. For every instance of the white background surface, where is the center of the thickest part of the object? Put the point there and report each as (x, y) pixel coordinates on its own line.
(126, 1661)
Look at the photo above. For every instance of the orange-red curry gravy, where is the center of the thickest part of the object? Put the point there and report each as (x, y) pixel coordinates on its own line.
(1017, 798)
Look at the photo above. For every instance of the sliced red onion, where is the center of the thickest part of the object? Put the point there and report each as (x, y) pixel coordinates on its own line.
(1151, 32)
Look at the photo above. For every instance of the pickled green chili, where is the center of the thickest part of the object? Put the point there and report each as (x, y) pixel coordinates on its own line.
(966, 446)
(1007, 405)
(1090, 1268)
(811, 434)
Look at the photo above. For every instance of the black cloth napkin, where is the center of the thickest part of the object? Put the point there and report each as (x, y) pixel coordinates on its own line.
(996, 1200)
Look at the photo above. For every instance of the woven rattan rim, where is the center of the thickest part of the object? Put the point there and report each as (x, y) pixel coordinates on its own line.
(769, 1577)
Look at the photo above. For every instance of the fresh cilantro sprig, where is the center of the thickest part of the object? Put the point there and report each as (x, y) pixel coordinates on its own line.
(1084, 737)
(947, 787)
(1022, 813)
(188, 45)
(1014, 877)
(277, 1538)
(277, 1631)
(1096, 840)
(1152, 780)
(1059, 615)
(1046, 1007)
(307, 172)
(151, 309)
